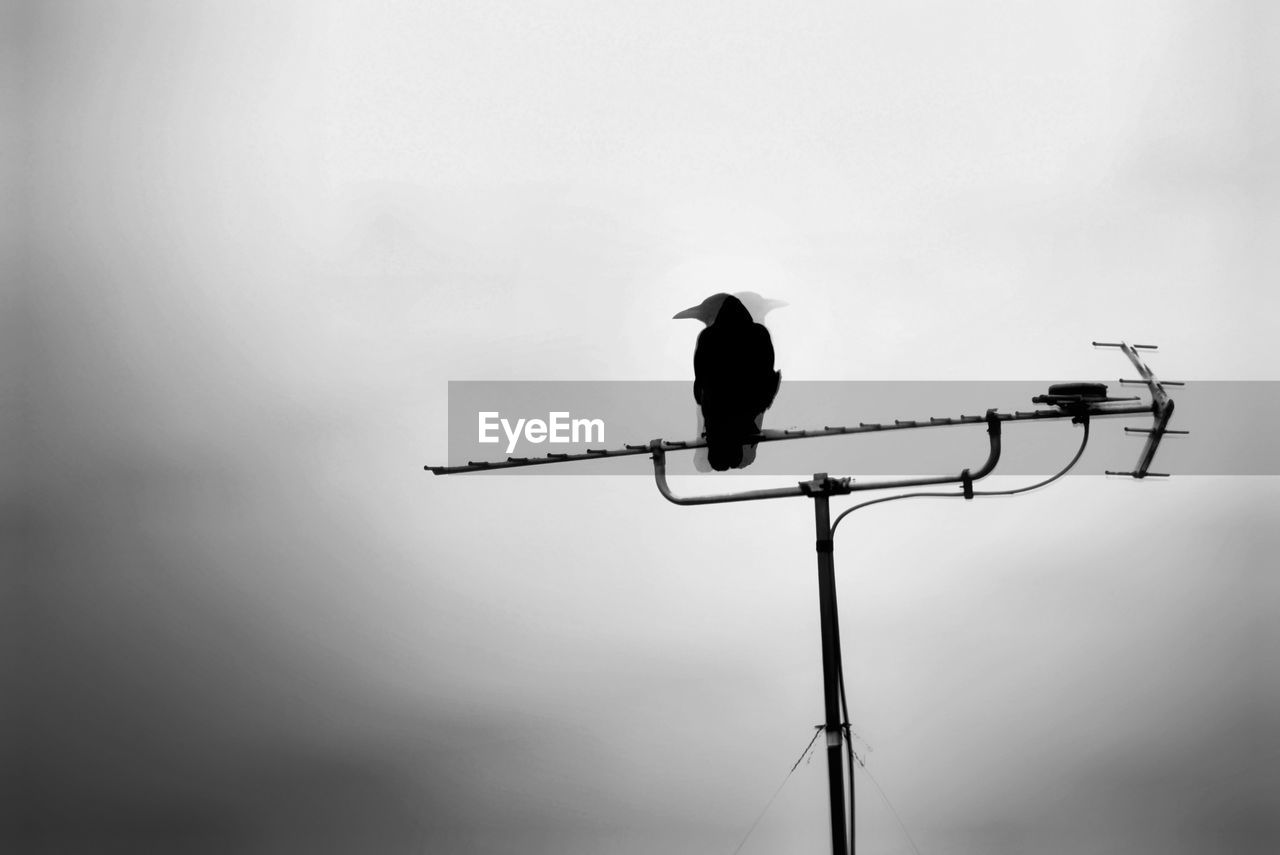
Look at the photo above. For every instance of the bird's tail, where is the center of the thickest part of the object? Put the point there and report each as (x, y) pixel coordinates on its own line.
(731, 447)
(724, 454)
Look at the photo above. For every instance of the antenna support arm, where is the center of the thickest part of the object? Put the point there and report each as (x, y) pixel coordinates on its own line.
(827, 486)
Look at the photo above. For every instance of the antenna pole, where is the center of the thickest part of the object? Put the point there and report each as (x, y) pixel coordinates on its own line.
(840, 835)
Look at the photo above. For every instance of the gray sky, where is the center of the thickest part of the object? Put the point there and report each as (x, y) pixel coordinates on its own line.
(255, 241)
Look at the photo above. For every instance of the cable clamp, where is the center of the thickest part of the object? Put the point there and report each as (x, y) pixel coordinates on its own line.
(967, 481)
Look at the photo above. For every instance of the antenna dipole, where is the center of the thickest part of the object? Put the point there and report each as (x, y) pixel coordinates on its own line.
(1161, 408)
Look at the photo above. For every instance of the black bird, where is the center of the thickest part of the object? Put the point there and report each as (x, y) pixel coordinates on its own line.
(734, 378)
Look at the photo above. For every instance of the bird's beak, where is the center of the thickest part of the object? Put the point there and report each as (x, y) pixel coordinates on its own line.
(691, 312)
(770, 305)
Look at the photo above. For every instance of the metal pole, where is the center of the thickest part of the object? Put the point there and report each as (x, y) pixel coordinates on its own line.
(830, 666)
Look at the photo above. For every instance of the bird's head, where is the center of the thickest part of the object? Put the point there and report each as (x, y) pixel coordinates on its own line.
(705, 311)
(758, 306)
(708, 309)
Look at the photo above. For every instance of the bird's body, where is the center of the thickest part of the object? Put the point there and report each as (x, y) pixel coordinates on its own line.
(734, 379)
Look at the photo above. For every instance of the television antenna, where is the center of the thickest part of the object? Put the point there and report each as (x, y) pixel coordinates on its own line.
(1079, 402)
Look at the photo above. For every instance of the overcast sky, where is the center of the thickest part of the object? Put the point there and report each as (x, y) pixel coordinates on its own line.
(256, 240)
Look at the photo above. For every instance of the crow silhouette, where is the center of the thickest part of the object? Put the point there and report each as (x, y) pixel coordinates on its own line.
(734, 378)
